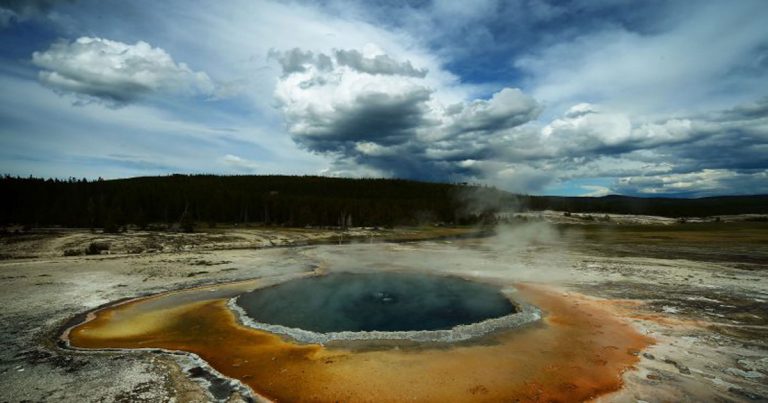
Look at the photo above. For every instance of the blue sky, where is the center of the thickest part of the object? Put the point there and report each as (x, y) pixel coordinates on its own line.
(652, 98)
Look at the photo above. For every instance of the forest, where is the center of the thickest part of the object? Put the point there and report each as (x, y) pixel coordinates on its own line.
(186, 201)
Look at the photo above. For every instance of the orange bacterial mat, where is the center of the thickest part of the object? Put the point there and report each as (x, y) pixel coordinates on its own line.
(577, 352)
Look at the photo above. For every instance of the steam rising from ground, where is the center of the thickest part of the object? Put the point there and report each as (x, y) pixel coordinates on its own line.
(522, 251)
(518, 252)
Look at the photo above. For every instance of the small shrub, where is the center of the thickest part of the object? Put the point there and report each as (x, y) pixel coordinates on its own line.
(111, 228)
(95, 248)
(758, 219)
(187, 226)
(156, 227)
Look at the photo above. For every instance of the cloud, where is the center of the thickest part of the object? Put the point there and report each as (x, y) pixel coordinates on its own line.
(371, 61)
(395, 125)
(696, 155)
(750, 110)
(382, 114)
(7, 17)
(239, 164)
(423, 90)
(30, 6)
(377, 64)
(136, 140)
(12, 11)
(296, 60)
(584, 129)
(664, 64)
(595, 191)
(127, 161)
(506, 109)
(628, 95)
(115, 73)
(707, 182)
(480, 40)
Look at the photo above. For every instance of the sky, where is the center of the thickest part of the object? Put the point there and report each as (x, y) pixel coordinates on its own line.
(588, 98)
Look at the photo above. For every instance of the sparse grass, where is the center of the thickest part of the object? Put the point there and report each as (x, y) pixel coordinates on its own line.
(751, 232)
(743, 242)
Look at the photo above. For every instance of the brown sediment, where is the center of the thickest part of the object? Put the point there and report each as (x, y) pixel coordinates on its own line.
(578, 352)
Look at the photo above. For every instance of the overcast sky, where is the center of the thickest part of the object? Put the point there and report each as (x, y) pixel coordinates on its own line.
(544, 97)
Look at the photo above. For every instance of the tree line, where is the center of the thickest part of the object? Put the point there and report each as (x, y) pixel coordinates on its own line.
(208, 199)
(298, 201)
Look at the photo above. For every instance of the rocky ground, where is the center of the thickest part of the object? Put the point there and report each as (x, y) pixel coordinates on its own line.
(700, 291)
(57, 242)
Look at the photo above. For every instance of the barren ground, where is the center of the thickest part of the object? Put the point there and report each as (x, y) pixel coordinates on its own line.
(699, 289)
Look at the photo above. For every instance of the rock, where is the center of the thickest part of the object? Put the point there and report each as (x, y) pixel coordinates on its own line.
(680, 367)
(649, 356)
(238, 398)
(653, 376)
(196, 372)
(746, 394)
(657, 376)
(683, 369)
(756, 365)
(744, 374)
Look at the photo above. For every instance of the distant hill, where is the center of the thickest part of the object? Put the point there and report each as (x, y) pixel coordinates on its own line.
(186, 200)
(658, 206)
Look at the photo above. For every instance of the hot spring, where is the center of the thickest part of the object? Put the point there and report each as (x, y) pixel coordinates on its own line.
(386, 305)
(396, 333)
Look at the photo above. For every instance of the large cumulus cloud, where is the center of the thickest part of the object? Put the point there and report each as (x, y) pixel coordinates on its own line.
(114, 72)
(706, 182)
(382, 118)
(719, 152)
(373, 111)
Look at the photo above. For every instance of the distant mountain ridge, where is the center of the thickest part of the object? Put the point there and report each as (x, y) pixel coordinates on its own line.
(658, 206)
